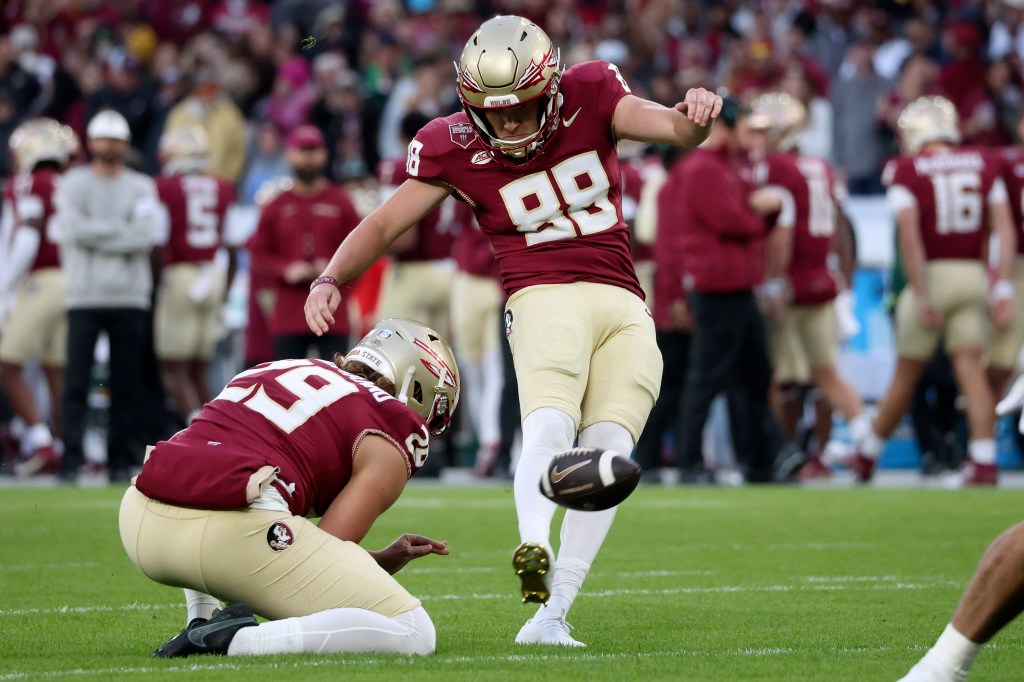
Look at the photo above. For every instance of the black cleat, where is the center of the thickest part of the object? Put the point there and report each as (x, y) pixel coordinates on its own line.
(208, 637)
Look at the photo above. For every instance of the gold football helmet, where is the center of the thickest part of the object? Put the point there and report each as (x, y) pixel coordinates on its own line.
(928, 119)
(510, 61)
(419, 362)
(184, 150)
(781, 117)
(41, 139)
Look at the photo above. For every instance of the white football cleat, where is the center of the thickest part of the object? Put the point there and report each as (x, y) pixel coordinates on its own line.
(548, 631)
(927, 670)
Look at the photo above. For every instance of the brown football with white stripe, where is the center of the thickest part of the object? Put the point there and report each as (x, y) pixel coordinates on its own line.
(589, 479)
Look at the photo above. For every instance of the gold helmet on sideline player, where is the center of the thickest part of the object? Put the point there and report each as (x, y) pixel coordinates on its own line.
(184, 150)
(928, 119)
(41, 139)
(781, 117)
(421, 365)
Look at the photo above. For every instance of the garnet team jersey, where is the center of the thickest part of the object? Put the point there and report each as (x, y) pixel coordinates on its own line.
(632, 185)
(305, 417)
(557, 217)
(435, 233)
(472, 248)
(1013, 176)
(952, 191)
(293, 228)
(196, 206)
(810, 196)
(28, 199)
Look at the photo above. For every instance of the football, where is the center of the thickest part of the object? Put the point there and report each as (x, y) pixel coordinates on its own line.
(589, 479)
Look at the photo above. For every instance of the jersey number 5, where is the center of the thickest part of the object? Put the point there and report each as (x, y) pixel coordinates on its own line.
(535, 208)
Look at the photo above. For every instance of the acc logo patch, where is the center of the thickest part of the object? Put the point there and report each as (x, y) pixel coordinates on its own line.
(508, 323)
(480, 158)
(279, 537)
(462, 134)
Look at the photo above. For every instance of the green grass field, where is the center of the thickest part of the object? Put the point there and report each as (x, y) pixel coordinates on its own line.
(693, 583)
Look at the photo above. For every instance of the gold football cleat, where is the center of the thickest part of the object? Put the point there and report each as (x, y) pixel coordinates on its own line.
(532, 564)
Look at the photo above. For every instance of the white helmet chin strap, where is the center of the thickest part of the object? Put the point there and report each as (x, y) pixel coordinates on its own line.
(403, 393)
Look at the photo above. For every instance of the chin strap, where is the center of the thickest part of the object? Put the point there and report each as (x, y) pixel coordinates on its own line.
(403, 393)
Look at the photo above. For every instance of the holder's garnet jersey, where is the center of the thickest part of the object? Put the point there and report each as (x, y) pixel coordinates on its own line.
(952, 191)
(305, 417)
(557, 217)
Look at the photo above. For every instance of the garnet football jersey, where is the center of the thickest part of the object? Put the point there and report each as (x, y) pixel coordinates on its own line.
(952, 191)
(29, 198)
(196, 206)
(557, 217)
(472, 248)
(305, 417)
(436, 231)
(810, 196)
(1013, 177)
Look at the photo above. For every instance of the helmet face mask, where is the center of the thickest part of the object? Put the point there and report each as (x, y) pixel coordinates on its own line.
(509, 62)
(419, 363)
(928, 119)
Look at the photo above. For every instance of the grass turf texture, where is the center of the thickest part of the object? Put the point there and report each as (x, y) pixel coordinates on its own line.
(692, 583)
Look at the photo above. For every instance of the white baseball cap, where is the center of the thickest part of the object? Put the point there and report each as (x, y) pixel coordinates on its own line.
(108, 124)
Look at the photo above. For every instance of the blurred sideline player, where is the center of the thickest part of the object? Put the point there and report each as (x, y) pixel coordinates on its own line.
(295, 236)
(36, 327)
(993, 598)
(220, 509)
(534, 154)
(476, 304)
(191, 289)
(800, 283)
(418, 285)
(1005, 342)
(946, 201)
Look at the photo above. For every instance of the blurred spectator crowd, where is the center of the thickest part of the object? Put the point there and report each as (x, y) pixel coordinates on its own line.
(365, 74)
(253, 71)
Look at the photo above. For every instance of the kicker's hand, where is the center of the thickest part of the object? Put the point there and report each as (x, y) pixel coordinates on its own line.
(321, 303)
(700, 106)
(395, 556)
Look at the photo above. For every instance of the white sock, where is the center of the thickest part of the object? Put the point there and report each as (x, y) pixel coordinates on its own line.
(490, 398)
(583, 533)
(200, 605)
(546, 432)
(954, 652)
(565, 585)
(338, 631)
(872, 444)
(38, 436)
(983, 451)
(472, 381)
(860, 427)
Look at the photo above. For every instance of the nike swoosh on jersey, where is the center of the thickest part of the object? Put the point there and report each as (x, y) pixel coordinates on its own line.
(557, 475)
(568, 121)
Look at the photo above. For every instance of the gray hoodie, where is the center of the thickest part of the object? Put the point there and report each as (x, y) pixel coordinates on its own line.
(106, 228)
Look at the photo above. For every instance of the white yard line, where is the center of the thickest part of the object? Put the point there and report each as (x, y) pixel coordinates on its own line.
(872, 583)
(370, 661)
(39, 567)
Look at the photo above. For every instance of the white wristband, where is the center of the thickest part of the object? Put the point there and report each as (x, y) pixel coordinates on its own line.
(1002, 290)
(773, 287)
